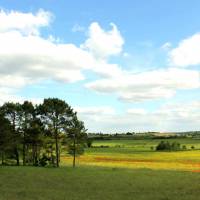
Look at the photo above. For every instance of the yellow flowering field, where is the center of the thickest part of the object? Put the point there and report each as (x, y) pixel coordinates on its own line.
(180, 160)
(140, 154)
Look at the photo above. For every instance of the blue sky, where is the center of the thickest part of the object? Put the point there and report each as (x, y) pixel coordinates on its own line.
(123, 65)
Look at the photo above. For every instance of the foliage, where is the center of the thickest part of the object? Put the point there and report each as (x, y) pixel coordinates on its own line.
(43, 161)
(89, 142)
(12, 112)
(57, 115)
(6, 138)
(167, 146)
(77, 138)
(34, 133)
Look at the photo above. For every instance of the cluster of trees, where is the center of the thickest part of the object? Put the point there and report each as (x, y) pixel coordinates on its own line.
(167, 146)
(36, 134)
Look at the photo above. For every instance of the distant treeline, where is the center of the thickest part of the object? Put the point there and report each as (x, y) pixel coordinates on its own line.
(36, 134)
(146, 135)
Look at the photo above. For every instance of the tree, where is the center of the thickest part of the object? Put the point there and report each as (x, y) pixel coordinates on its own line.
(56, 114)
(89, 142)
(77, 138)
(38, 131)
(27, 115)
(12, 112)
(168, 146)
(35, 138)
(5, 137)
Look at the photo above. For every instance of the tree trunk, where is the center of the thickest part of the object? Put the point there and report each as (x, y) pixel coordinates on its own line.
(15, 148)
(36, 155)
(24, 152)
(74, 156)
(57, 149)
(16, 155)
(52, 157)
(33, 154)
(2, 158)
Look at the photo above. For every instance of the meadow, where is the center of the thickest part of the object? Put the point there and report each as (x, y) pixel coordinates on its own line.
(111, 170)
(97, 183)
(141, 154)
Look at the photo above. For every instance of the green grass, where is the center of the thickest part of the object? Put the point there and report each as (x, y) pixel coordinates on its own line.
(93, 183)
(144, 144)
(128, 174)
(125, 146)
(139, 154)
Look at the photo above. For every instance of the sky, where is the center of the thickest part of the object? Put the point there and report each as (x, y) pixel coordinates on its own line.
(131, 65)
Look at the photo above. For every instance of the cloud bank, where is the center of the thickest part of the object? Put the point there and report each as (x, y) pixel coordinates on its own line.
(26, 57)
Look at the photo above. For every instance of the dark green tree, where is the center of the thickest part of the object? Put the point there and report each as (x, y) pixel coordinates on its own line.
(77, 139)
(12, 112)
(6, 143)
(27, 116)
(35, 139)
(56, 114)
(89, 142)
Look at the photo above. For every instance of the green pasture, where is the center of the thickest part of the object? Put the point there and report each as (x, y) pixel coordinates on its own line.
(93, 183)
(111, 170)
(145, 144)
(132, 146)
(140, 154)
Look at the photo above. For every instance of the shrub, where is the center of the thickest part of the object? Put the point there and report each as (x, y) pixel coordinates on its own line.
(89, 142)
(184, 147)
(104, 146)
(166, 146)
(43, 161)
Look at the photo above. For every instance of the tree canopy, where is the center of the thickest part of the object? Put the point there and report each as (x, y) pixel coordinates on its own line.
(34, 134)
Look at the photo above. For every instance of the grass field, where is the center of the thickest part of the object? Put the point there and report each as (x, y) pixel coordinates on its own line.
(97, 183)
(139, 154)
(111, 170)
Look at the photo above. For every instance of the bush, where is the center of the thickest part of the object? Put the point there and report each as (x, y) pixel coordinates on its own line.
(89, 142)
(104, 146)
(184, 147)
(43, 161)
(166, 146)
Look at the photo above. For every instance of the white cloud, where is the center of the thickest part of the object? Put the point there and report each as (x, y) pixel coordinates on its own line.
(78, 28)
(107, 70)
(103, 44)
(169, 117)
(187, 53)
(26, 23)
(136, 111)
(35, 57)
(189, 111)
(26, 57)
(93, 116)
(11, 95)
(166, 46)
(179, 116)
(25, 54)
(93, 110)
(149, 85)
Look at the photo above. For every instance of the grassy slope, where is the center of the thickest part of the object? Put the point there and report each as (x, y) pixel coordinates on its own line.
(91, 183)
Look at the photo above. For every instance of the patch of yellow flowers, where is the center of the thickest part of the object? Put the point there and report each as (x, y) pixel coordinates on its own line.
(183, 160)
